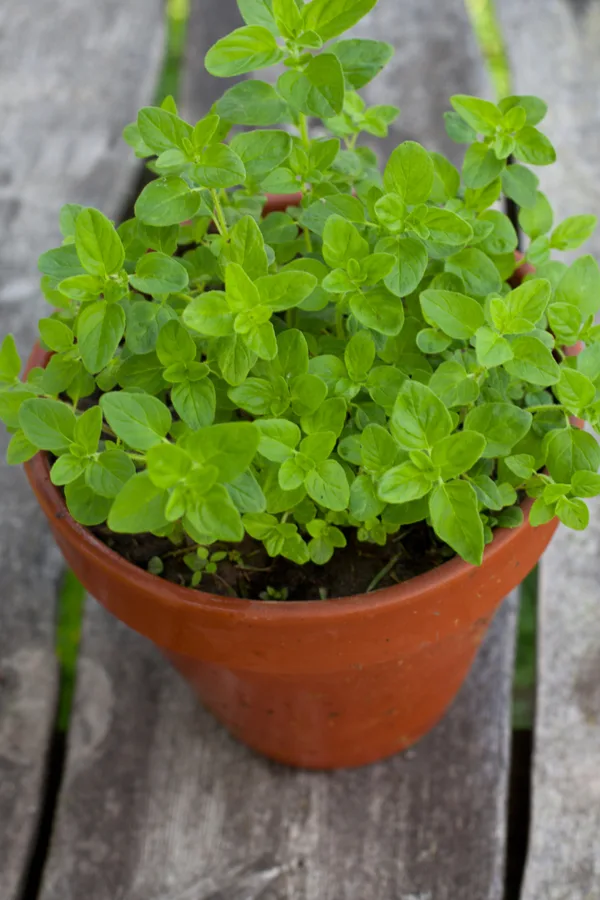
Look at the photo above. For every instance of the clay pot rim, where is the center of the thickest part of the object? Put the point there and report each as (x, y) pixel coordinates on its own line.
(163, 591)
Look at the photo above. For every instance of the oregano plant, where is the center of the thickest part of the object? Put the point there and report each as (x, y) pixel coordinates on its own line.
(365, 358)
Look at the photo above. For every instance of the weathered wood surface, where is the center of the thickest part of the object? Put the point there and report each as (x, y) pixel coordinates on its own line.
(564, 849)
(436, 55)
(159, 803)
(70, 77)
(556, 56)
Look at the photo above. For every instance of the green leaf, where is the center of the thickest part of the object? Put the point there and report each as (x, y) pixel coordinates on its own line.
(573, 513)
(379, 310)
(525, 305)
(535, 109)
(362, 60)
(100, 328)
(167, 201)
(262, 151)
(404, 483)
(144, 372)
(487, 491)
(419, 419)
(574, 390)
(332, 17)
(455, 314)
(88, 430)
(215, 515)
(585, 484)
(378, 450)
(503, 238)
(138, 419)
(174, 344)
(54, 334)
(195, 402)
(47, 424)
(219, 167)
(235, 359)
(84, 505)
(532, 362)
(19, 449)
(411, 262)
(330, 416)
(359, 356)
(345, 206)
(230, 447)
(252, 102)
(537, 220)
(491, 348)
(482, 116)
(409, 173)
(452, 384)
(455, 518)
(327, 485)
(244, 50)
(278, 438)
(67, 469)
(520, 184)
(481, 166)
(255, 396)
(573, 232)
(458, 130)
(534, 148)
(580, 286)
(167, 465)
(139, 507)
(502, 425)
(10, 361)
(246, 494)
(478, 272)
(247, 248)
(286, 289)
(457, 453)
(292, 353)
(158, 274)
(341, 242)
(446, 227)
(107, 474)
(209, 314)
(307, 394)
(98, 245)
(569, 450)
(161, 130)
(258, 12)
(318, 90)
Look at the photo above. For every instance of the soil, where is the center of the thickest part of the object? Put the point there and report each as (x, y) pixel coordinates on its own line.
(250, 573)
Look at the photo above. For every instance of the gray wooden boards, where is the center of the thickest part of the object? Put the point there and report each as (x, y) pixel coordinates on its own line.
(159, 803)
(553, 47)
(71, 77)
(436, 55)
(564, 844)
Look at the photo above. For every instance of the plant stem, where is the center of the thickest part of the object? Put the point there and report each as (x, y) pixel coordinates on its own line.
(221, 223)
(308, 240)
(544, 407)
(385, 571)
(303, 126)
(290, 318)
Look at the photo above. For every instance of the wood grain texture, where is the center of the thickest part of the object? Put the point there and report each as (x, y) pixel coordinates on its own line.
(436, 56)
(564, 847)
(553, 50)
(70, 78)
(159, 803)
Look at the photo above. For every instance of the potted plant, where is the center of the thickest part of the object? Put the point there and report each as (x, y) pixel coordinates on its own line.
(307, 444)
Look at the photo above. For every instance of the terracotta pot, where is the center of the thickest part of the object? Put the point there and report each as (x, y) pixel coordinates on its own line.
(317, 684)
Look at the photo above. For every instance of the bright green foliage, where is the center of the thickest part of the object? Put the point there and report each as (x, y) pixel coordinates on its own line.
(360, 361)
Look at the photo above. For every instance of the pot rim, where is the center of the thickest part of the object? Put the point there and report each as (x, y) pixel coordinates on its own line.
(440, 578)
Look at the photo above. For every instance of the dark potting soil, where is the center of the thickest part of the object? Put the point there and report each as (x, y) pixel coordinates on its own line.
(249, 572)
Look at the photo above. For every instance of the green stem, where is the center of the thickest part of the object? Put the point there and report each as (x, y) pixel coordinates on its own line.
(544, 407)
(385, 571)
(221, 223)
(303, 126)
(308, 240)
(290, 318)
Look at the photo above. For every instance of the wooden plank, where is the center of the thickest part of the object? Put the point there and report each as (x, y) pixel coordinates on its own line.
(160, 803)
(564, 844)
(436, 55)
(70, 78)
(561, 64)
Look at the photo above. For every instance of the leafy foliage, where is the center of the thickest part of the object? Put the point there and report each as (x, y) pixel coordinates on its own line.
(364, 360)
